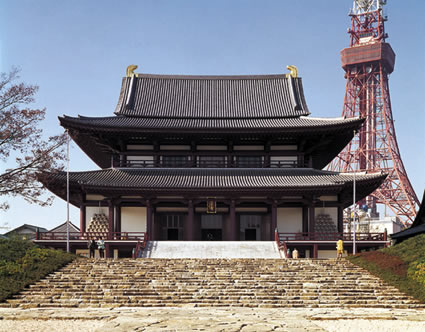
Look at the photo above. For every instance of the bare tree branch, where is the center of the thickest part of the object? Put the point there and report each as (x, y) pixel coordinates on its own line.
(20, 135)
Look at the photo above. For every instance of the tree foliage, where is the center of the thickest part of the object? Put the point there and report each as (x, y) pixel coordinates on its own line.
(22, 263)
(23, 150)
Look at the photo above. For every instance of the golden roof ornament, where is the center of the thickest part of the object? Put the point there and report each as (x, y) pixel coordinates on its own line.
(293, 71)
(130, 70)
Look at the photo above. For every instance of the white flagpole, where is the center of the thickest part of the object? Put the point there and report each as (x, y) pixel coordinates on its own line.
(354, 214)
(354, 208)
(67, 191)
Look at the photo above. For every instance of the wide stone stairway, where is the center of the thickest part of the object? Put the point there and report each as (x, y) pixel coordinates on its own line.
(211, 282)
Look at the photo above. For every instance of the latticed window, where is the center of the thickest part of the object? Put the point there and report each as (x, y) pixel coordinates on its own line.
(212, 161)
(175, 161)
(249, 161)
(173, 221)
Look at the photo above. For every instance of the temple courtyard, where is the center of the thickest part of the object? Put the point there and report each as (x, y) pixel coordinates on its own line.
(212, 319)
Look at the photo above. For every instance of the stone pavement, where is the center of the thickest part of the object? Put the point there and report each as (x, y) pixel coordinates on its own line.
(212, 319)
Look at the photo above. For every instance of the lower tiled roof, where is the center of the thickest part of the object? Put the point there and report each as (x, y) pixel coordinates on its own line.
(210, 178)
(119, 123)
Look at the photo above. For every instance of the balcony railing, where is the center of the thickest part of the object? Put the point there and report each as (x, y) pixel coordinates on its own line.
(75, 236)
(208, 164)
(285, 237)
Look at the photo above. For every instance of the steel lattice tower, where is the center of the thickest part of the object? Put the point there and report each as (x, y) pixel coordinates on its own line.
(367, 62)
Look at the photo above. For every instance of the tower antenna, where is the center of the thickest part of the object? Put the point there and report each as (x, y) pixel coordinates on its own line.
(367, 63)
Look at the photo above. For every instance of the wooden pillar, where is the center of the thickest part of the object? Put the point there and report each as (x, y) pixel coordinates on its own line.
(267, 154)
(149, 225)
(315, 248)
(340, 220)
(305, 219)
(311, 218)
(107, 251)
(157, 158)
(118, 218)
(82, 219)
(273, 224)
(111, 220)
(234, 230)
(189, 222)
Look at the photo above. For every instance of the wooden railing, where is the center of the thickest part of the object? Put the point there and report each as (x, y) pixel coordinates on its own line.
(281, 245)
(209, 164)
(114, 236)
(285, 237)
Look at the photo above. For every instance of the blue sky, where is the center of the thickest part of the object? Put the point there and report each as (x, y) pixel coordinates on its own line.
(77, 51)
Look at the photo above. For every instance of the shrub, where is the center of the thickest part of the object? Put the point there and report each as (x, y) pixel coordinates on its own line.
(417, 271)
(402, 265)
(23, 263)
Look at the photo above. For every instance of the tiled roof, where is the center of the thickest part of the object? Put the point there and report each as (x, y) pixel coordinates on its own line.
(62, 228)
(207, 178)
(117, 123)
(212, 97)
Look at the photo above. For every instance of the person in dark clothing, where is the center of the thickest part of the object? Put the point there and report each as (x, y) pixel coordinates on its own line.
(92, 247)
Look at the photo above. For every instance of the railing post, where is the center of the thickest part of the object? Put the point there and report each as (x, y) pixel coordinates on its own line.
(82, 219)
(111, 220)
(274, 216)
(149, 225)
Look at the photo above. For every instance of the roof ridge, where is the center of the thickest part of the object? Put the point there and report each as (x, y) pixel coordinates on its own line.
(211, 77)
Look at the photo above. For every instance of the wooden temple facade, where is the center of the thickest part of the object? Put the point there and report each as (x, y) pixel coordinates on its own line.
(225, 158)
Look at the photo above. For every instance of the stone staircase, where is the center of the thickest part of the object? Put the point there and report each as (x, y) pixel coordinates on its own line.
(267, 283)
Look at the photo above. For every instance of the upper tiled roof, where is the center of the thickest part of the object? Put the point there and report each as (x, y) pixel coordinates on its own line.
(260, 96)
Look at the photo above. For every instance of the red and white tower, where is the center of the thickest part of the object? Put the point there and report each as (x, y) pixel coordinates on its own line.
(367, 62)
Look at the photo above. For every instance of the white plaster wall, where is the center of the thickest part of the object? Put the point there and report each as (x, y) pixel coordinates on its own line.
(94, 197)
(139, 147)
(171, 209)
(219, 210)
(248, 148)
(211, 147)
(175, 147)
(133, 219)
(332, 211)
(307, 253)
(283, 147)
(91, 210)
(250, 209)
(283, 158)
(289, 220)
(148, 158)
(332, 198)
(326, 253)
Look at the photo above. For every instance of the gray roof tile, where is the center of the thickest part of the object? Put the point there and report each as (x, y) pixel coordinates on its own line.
(115, 123)
(261, 96)
(221, 178)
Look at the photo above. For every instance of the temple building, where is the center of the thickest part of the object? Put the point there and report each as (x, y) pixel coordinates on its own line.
(224, 158)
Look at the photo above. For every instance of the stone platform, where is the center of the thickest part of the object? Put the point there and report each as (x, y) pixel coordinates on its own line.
(211, 249)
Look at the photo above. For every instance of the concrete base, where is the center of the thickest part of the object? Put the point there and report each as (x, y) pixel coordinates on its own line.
(211, 249)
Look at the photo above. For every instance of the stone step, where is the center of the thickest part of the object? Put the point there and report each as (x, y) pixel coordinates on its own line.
(211, 282)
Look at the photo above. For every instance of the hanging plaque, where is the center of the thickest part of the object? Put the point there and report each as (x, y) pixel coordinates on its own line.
(211, 205)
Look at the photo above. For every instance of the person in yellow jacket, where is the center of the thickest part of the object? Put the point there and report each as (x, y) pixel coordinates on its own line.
(339, 249)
